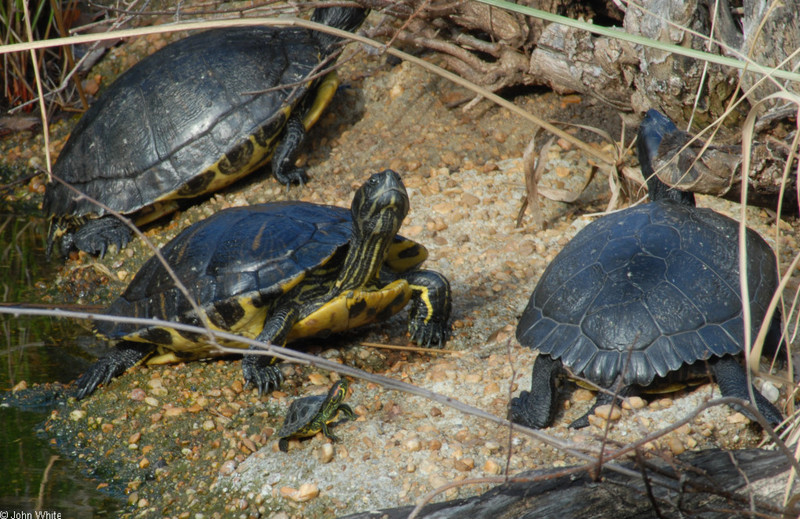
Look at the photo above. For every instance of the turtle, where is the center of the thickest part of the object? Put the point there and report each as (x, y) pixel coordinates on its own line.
(278, 272)
(188, 120)
(647, 296)
(311, 414)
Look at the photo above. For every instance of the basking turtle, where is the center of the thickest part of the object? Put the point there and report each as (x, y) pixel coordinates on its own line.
(188, 120)
(279, 272)
(311, 414)
(647, 294)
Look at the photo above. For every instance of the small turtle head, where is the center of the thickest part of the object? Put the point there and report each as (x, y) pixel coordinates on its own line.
(380, 205)
(338, 392)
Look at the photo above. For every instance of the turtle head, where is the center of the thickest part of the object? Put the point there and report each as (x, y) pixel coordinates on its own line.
(379, 206)
(378, 209)
(652, 131)
(344, 18)
(338, 392)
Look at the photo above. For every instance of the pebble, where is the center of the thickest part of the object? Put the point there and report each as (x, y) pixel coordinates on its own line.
(77, 415)
(634, 402)
(228, 467)
(325, 453)
(607, 412)
(492, 467)
(464, 464)
(137, 394)
(306, 492)
(412, 444)
(770, 392)
(582, 395)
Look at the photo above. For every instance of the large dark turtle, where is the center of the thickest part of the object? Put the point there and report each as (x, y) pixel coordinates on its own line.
(641, 294)
(278, 272)
(311, 414)
(190, 119)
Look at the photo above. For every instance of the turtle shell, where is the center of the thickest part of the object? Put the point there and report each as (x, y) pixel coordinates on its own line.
(301, 413)
(184, 121)
(238, 285)
(659, 280)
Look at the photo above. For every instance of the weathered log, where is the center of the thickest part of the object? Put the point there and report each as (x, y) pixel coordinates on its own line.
(498, 49)
(708, 484)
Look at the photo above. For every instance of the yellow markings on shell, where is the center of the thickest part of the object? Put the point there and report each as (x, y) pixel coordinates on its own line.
(325, 92)
(405, 255)
(353, 309)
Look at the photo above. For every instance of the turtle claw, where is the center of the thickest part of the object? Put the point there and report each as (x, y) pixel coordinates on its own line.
(120, 359)
(428, 335)
(96, 236)
(258, 371)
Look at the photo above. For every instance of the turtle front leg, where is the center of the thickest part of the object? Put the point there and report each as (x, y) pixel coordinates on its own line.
(732, 381)
(124, 356)
(431, 302)
(286, 150)
(260, 370)
(537, 408)
(96, 236)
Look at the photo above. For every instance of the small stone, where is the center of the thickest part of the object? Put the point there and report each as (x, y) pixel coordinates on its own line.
(690, 442)
(152, 402)
(77, 414)
(107, 427)
(143, 503)
(318, 379)
(20, 386)
(434, 445)
(135, 437)
(137, 394)
(675, 445)
(492, 467)
(770, 392)
(209, 425)
(306, 492)
(634, 402)
(607, 412)
(492, 388)
(582, 395)
(597, 421)
(464, 464)
(144, 463)
(325, 453)
(412, 444)
(737, 418)
(435, 411)
(173, 411)
(228, 467)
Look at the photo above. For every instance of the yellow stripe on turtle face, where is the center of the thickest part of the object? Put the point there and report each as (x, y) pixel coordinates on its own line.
(353, 309)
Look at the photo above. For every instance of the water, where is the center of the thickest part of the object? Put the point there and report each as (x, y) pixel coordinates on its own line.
(37, 350)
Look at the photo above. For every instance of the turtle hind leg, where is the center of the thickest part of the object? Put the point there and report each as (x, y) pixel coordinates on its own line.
(97, 235)
(431, 303)
(124, 356)
(348, 412)
(732, 381)
(537, 408)
(260, 370)
(285, 153)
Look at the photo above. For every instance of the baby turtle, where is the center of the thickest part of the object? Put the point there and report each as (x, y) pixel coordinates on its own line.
(644, 295)
(188, 120)
(278, 272)
(311, 414)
